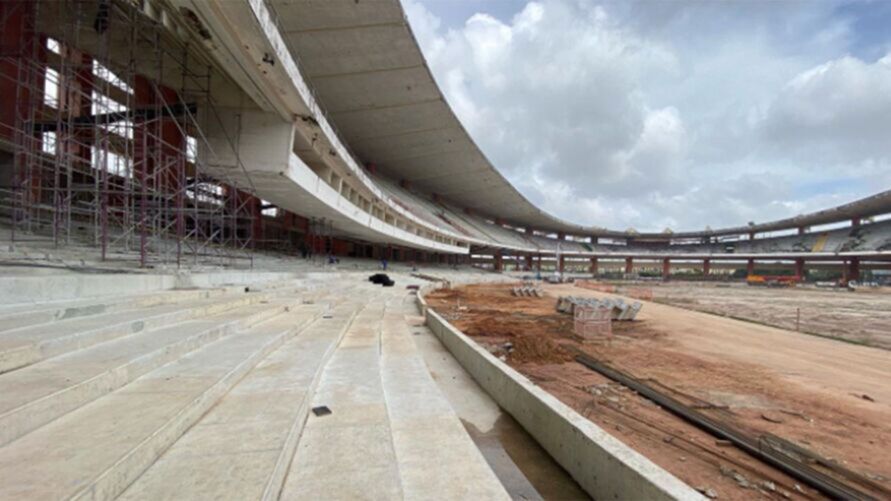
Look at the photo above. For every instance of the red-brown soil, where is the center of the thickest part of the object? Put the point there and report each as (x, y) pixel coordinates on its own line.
(734, 375)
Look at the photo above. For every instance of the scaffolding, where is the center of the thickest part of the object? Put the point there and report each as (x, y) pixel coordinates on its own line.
(104, 134)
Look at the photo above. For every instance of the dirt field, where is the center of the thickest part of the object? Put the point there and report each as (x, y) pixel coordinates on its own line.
(830, 397)
(863, 316)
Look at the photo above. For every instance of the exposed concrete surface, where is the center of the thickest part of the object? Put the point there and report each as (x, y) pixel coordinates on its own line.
(391, 433)
(431, 445)
(525, 469)
(216, 401)
(603, 466)
(88, 454)
(37, 289)
(252, 433)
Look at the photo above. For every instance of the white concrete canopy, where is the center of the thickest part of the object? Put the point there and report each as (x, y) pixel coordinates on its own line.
(368, 72)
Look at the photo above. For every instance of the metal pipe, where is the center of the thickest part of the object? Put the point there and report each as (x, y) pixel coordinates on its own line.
(824, 483)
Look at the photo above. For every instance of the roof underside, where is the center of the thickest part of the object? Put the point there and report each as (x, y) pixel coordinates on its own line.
(369, 73)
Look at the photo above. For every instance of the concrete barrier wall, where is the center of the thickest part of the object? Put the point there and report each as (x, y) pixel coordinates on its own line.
(40, 288)
(605, 467)
(18, 289)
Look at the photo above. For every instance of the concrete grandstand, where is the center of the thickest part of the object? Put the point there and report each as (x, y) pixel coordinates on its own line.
(185, 144)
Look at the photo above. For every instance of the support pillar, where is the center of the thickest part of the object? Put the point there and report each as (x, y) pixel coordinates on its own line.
(561, 265)
(629, 265)
(706, 267)
(539, 263)
(499, 262)
(799, 268)
(750, 267)
(528, 262)
(594, 266)
(855, 222)
(666, 269)
(854, 269)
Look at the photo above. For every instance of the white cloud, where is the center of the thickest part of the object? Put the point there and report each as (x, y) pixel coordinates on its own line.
(840, 108)
(636, 115)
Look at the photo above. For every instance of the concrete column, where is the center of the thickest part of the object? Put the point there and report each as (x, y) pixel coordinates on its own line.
(594, 240)
(561, 236)
(14, 37)
(594, 265)
(529, 231)
(666, 269)
(799, 268)
(706, 267)
(801, 230)
(264, 140)
(528, 262)
(855, 222)
(539, 263)
(499, 262)
(629, 265)
(561, 265)
(258, 224)
(854, 269)
(750, 267)
(752, 235)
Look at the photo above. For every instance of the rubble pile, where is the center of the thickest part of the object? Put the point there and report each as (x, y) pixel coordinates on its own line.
(619, 309)
(527, 290)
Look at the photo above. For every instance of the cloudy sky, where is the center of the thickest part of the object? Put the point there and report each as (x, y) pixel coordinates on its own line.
(665, 113)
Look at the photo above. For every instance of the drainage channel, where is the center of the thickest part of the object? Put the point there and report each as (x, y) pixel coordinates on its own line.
(525, 469)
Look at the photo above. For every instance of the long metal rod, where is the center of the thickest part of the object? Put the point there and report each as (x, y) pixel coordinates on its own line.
(791, 466)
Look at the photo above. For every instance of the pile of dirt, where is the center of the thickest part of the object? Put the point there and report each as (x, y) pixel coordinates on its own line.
(538, 350)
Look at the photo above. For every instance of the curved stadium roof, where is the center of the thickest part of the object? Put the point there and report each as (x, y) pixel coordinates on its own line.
(369, 73)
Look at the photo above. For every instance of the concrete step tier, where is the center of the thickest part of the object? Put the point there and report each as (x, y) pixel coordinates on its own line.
(97, 450)
(18, 316)
(30, 344)
(242, 448)
(42, 392)
(391, 433)
(212, 398)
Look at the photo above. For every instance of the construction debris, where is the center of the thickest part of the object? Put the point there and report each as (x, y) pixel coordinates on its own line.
(381, 279)
(619, 310)
(321, 410)
(760, 447)
(528, 289)
(592, 323)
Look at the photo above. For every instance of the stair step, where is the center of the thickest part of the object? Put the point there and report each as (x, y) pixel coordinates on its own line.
(96, 451)
(349, 454)
(431, 444)
(40, 393)
(22, 347)
(243, 447)
(31, 315)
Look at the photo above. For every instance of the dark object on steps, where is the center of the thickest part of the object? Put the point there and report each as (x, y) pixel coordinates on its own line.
(378, 278)
(321, 410)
